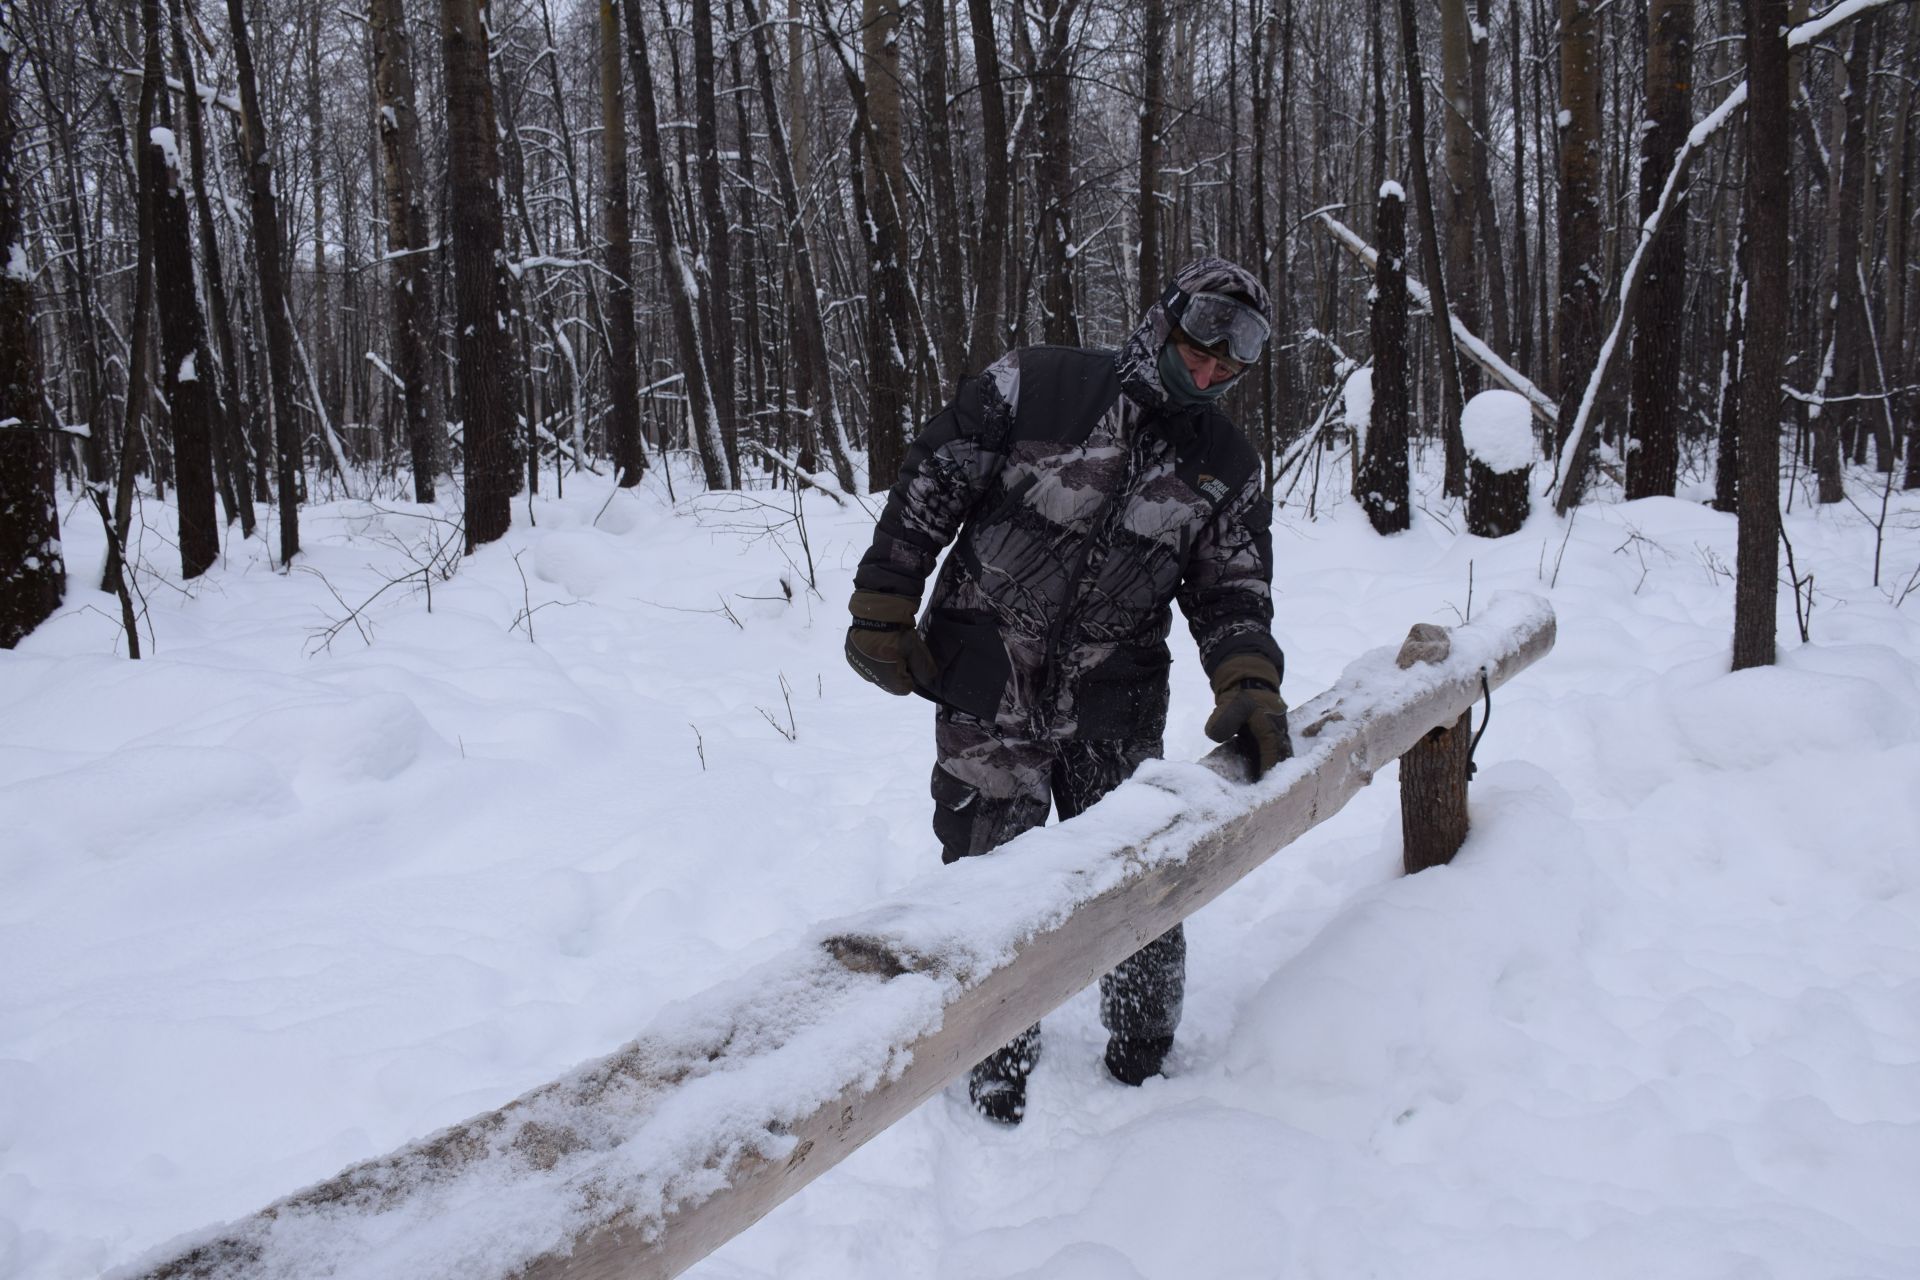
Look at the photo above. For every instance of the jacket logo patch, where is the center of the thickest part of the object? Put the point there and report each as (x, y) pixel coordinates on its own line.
(1214, 487)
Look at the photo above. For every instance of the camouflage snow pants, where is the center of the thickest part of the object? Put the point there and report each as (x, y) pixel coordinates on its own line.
(987, 789)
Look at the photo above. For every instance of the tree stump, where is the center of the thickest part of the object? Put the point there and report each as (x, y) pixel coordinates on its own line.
(1433, 773)
(1498, 429)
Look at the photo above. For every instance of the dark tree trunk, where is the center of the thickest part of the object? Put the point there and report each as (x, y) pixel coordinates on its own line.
(269, 269)
(1460, 210)
(1756, 580)
(230, 445)
(410, 284)
(1450, 390)
(1522, 312)
(891, 336)
(949, 304)
(1581, 268)
(623, 373)
(1383, 471)
(673, 271)
(1153, 38)
(33, 576)
(1726, 473)
(1652, 459)
(485, 386)
(989, 336)
(186, 364)
(1053, 173)
(1491, 255)
(1851, 344)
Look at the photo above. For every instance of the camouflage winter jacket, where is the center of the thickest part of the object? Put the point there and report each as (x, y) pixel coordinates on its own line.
(1084, 505)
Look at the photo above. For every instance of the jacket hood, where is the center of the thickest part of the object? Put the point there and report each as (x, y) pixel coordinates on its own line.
(1139, 358)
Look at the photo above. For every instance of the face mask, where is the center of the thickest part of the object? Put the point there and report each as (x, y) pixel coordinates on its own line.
(1179, 383)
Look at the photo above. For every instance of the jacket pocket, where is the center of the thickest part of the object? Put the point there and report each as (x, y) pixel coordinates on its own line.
(970, 659)
(1125, 696)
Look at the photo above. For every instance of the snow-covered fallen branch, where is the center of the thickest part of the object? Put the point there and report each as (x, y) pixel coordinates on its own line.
(821, 480)
(1464, 339)
(643, 1162)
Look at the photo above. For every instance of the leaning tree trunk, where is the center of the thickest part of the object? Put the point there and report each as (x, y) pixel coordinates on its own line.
(1757, 564)
(485, 385)
(33, 576)
(269, 264)
(410, 282)
(1383, 472)
(674, 272)
(1653, 457)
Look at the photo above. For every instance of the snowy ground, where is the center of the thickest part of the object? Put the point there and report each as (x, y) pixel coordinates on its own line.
(272, 902)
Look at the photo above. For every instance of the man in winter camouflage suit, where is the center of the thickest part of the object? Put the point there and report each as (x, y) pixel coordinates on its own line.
(1088, 490)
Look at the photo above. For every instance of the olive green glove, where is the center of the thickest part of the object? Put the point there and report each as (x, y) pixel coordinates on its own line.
(1247, 708)
(882, 644)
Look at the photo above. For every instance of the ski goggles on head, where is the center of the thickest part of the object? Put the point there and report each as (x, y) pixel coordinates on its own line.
(1214, 320)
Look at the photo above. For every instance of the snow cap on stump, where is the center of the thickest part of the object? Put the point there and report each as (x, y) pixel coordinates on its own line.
(1497, 427)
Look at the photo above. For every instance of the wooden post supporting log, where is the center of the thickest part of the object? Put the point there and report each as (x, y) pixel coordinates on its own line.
(642, 1163)
(1433, 773)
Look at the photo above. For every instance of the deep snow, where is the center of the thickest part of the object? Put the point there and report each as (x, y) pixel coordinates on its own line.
(269, 905)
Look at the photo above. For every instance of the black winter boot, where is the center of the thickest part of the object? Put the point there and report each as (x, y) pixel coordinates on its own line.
(998, 1085)
(1131, 1059)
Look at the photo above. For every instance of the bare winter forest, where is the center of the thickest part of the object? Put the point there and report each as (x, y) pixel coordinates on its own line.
(275, 251)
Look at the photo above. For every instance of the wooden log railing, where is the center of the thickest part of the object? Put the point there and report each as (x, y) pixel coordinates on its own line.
(640, 1164)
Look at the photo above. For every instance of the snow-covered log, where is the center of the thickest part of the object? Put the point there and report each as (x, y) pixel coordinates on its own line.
(640, 1164)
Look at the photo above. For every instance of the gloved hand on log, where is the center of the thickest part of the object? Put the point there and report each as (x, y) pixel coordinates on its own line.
(1247, 708)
